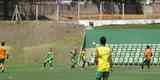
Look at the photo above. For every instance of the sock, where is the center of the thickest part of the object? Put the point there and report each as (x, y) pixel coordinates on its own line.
(3, 69)
(142, 67)
(51, 65)
(44, 65)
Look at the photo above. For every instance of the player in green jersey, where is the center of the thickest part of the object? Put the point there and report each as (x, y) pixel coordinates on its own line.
(49, 58)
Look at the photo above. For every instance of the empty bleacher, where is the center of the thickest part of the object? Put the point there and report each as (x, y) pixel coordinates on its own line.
(133, 54)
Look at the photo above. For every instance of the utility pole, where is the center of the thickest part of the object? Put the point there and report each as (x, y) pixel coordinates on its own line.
(123, 5)
(36, 12)
(16, 15)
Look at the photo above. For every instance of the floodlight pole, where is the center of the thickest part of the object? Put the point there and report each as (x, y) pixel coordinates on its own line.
(79, 9)
(123, 9)
(16, 13)
(58, 10)
(37, 12)
(123, 4)
(101, 9)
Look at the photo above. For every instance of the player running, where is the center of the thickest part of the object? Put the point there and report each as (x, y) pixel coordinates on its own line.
(3, 56)
(83, 57)
(49, 59)
(148, 57)
(74, 58)
(103, 60)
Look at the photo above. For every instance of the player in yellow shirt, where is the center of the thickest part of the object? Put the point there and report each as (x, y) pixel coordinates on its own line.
(103, 60)
(3, 56)
(83, 57)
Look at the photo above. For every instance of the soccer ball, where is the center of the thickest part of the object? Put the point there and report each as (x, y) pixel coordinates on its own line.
(94, 43)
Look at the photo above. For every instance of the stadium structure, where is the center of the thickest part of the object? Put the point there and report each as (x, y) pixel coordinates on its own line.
(90, 19)
(111, 12)
(128, 44)
(79, 9)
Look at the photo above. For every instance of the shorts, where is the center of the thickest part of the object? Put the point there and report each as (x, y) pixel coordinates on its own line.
(74, 61)
(48, 61)
(102, 75)
(2, 61)
(146, 61)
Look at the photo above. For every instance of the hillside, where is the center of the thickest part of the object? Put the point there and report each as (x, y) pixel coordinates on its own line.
(28, 41)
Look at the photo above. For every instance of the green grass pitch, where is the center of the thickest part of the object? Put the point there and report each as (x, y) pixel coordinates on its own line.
(62, 72)
(17, 71)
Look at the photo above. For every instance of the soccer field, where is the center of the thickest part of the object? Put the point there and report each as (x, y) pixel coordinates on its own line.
(36, 72)
(61, 72)
(26, 58)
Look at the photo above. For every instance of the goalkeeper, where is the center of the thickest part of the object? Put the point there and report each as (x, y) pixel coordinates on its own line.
(49, 59)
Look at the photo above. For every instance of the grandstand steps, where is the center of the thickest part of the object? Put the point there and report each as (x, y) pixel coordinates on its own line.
(126, 55)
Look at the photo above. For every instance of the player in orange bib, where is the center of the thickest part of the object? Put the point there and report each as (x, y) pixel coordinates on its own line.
(3, 56)
(148, 57)
(103, 60)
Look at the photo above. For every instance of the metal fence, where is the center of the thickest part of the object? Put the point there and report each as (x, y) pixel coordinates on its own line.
(82, 10)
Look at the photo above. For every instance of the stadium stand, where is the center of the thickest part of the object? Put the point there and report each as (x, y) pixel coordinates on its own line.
(128, 45)
(132, 54)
